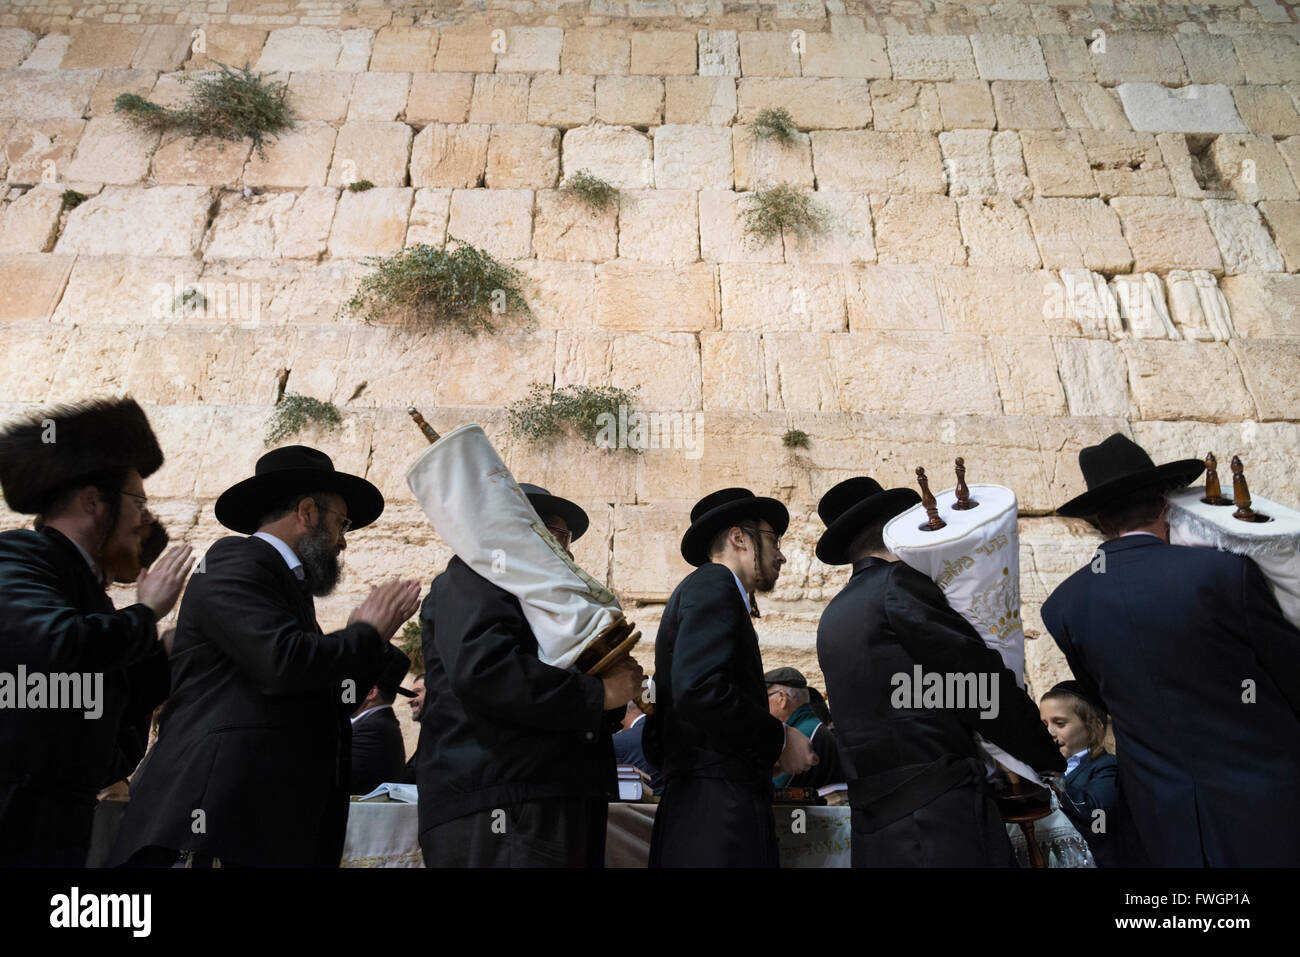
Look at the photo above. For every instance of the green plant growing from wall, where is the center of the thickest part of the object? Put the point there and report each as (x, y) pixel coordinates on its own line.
(775, 123)
(360, 186)
(549, 414)
(294, 413)
(768, 212)
(424, 286)
(410, 640)
(795, 439)
(230, 105)
(590, 189)
(72, 199)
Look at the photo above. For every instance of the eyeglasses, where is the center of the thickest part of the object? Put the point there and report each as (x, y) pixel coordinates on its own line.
(562, 535)
(344, 522)
(143, 500)
(776, 539)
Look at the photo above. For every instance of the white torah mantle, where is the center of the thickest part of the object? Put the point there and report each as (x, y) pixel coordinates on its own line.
(975, 561)
(478, 509)
(1274, 545)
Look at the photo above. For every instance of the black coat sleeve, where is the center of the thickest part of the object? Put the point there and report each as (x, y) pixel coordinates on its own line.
(1052, 620)
(42, 629)
(255, 626)
(477, 630)
(1100, 792)
(711, 621)
(942, 641)
(1275, 641)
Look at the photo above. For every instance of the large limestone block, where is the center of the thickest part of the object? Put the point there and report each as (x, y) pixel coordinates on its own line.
(247, 228)
(718, 52)
(301, 48)
(968, 162)
(1269, 368)
(1187, 380)
(1267, 110)
(355, 46)
(914, 228)
(699, 99)
(531, 50)
(1090, 106)
(1026, 105)
(1284, 223)
(1009, 165)
(46, 94)
(48, 53)
(812, 103)
(127, 289)
(1094, 376)
(651, 571)
(1243, 239)
(1070, 58)
(966, 105)
(113, 83)
(1079, 233)
(867, 161)
(466, 49)
(765, 162)
(561, 295)
(523, 156)
(1268, 58)
(696, 157)
(232, 44)
(429, 214)
(295, 159)
(323, 96)
(932, 58)
(94, 363)
(768, 53)
(34, 351)
(798, 372)
(731, 371)
(1152, 56)
(450, 155)
(370, 223)
(499, 221)
(1126, 164)
(646, 296)
(562, 100)
(595, 52)
(1252, 168)
(1268, 450)
(1028, 382)
(849, 234)
(831, 54)
(402, 49)
(723, 237)
(996, 233)
(630, 100)
(208, 161)
(569, 230)
(1263, 305)
(659, 225)
(619, 155)
(917, 374)
(502, 367)
(15, 45)
(905, 106)
(1058, 164)
(96, 45)
(1210, 58)
(371, 150)
(1007, 57)
(1010, 302)
(163, 47)
(1197, 307)
(666, 366)
(499, 98)
(791, 298)
(162, 221)
(892, 297)
(1167, 233)
(30, 223)
(439, 98)
(1199, 108)
(379, 96)
(662, 52)
(31, 284)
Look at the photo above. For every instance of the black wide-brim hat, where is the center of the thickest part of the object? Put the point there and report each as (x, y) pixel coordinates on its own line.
(291, 470)
(544, 503)
(722, 509)
(49, 451)
(1119, 466)
(853, 505)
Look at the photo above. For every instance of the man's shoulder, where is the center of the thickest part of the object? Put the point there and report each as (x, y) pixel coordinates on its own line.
(18, 540)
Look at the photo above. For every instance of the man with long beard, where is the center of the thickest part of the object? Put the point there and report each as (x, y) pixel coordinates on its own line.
(711, 732)
(80, 470)
(252, 762)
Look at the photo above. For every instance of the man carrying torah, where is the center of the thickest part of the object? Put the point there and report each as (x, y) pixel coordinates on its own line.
(890, 647)
(1200, 670)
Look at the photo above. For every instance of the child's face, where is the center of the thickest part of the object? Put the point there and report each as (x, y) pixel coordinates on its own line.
(1064, 725)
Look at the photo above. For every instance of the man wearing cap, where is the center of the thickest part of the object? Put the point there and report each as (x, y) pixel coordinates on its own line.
(80, 470)
(711, 732)
(515, 765)
(378, 751)
(1200, 671)
(790, 699)
(252, 761)
(917, 783)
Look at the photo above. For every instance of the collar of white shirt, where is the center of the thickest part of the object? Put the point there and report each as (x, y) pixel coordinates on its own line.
(1152, 534)
(94, 565)
(744, 595)
(1074, 761)
(378, 707)
(290, 559)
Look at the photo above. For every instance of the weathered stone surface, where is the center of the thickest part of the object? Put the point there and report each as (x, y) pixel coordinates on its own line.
(731, 371)
(874, 162)
(403, 48)
(15, 45)
(31, 285)
(562, 100)
(1057, 163)
(875, 375)
(233, 44)
(370, 223)
(848, 237)
(48, 53)
(113, 83)
(562, 295)
(966, 105)
(1209, 58)
(918, 228)
(1075, 233)
(718, 52)
(450, 155)
(1198, 108)
(182, 161)
(499, 372)
(764, 53)
(666, 366)
(1009, 165)
(1142, 307)
(659, 225)
(499, 98)
(1283, 220)
(122, 290)
(631, 100)
(1028, 383)
(1243, 240)
(1069, 57)
(1252, 168)
(996, 233)
(1026, 105)
(693, 156)
(1268, 366)
(781, 297)
(101, 45)
(1152, 56)
(497, 220)
(765, 162)
(1268, 58)
(162, 221)
(439, 98)
(30, 223)
(811, 103)
(568, 229)
(429, 214)
(644, 296)
(1196, 306)
(1088, 106)
(1267, 449)
(1006, 57)
(321, 96)
(662, 52)
(1263, 305)
(297, 158)
(602, 52)
(379, 96)
(905, 106)
(619, 155)
(1187, 380)
(111, 150)
(1094, 376)
(371, 150)
(829, 54)
(932, 58)
(301, 48)
(46, 94)
(1126, 164)
(699, 99)
(723, 237)
(798, 371)
(247, 228)
(1166, 233)
(523, 156)
(1267, 110)
(890, 297)
(531, 50)
(163, 47)
(465, 50)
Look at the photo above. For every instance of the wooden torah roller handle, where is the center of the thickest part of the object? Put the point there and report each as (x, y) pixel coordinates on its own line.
(611, 646)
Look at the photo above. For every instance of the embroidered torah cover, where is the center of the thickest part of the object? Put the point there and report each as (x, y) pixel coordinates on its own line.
(975, 561)
(478, 509)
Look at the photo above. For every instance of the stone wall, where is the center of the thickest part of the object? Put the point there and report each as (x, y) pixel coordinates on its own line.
(1051, 221)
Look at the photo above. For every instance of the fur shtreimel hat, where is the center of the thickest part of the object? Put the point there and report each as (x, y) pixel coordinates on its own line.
(49, 451)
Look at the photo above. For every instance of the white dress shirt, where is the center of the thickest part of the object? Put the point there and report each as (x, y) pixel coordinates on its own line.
(290, 559)
(355, 718)
(1074, 760)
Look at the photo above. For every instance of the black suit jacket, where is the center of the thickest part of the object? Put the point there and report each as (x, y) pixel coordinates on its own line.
(378, 752)
(252, 759)
(1167, 637)
(500, 727)
(886, 620)
(628, 750)
(55, 618)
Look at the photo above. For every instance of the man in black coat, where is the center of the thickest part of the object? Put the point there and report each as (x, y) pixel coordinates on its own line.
(378, 751)
(917, 781)
(1189, 652)
(515, 764)
(711, 732)
(80, 470)
(252, 760)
